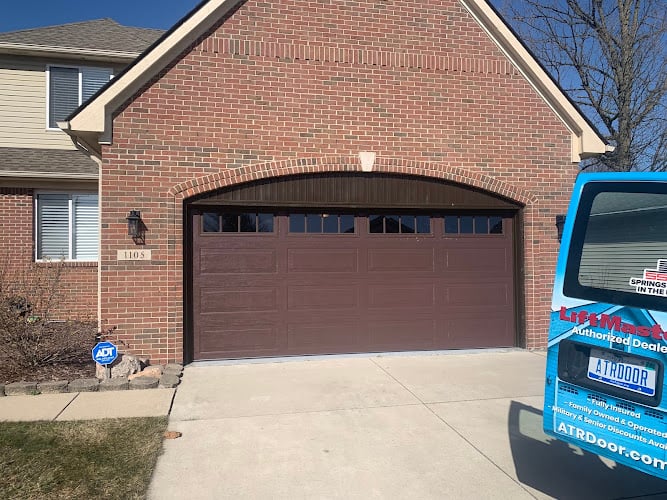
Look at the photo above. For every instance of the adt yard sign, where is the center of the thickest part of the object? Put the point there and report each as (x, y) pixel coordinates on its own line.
(105, 353)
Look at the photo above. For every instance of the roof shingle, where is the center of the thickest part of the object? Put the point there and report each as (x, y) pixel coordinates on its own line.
(100, 34)
(49, 163)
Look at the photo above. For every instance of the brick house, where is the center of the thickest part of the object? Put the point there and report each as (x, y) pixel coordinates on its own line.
(331, 176)
(48, 188)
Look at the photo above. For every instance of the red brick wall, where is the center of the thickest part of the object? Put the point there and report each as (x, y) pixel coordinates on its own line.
(297, 86)
(78, 281)
(16, 212)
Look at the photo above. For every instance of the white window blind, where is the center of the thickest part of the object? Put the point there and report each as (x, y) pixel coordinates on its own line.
(71, 87)
(86, 229)
(92, 80)
(63, 93)
(53, 227)
(67, 226)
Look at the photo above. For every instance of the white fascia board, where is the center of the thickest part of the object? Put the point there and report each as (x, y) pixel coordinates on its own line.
(585, 140)
(48, 175)
(30, 50)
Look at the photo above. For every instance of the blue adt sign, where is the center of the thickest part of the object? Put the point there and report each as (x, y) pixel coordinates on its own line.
(105, 353)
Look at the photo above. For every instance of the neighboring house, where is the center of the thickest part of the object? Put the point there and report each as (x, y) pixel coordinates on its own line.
(331, 177)
(49, 188)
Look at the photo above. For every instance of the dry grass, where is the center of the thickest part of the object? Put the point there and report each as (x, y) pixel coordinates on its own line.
(111, 458)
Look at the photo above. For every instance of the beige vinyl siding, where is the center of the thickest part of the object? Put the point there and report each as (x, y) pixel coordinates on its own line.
(23, 105)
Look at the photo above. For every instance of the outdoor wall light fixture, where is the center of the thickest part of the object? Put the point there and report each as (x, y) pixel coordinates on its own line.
(560, 224)
(134, 224)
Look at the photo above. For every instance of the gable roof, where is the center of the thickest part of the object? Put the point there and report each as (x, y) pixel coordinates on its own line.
(91, 124)
(101, 37)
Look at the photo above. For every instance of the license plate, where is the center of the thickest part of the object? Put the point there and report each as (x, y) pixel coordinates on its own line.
(625, 372)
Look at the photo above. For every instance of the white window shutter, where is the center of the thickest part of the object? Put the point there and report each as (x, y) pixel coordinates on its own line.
(86, 227)
(63, 93)
(53, 227)
(92, 80)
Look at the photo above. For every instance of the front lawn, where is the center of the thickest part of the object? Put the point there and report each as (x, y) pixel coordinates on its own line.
(111, 458)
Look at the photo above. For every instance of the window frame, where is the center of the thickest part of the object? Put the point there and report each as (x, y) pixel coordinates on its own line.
(80, 69)
(71, 196)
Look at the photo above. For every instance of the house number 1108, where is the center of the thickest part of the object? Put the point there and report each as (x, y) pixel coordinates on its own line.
(134, 254)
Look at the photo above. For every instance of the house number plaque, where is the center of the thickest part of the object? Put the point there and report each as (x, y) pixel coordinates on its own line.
(134, 254)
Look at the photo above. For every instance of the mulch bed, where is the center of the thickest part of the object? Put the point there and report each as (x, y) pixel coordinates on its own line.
(73, 341)
(11, 372)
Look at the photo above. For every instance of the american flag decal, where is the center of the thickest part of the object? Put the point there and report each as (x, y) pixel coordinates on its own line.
(657, 274)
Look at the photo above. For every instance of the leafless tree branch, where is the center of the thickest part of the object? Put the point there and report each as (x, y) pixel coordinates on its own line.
(610, 56)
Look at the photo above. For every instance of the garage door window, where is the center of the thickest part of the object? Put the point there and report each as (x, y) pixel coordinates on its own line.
(321, 223)
(473, 224)
(399, 224)
(213, 222)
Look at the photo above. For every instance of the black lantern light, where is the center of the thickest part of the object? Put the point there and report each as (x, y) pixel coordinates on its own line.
(560, 224)
(134, 224)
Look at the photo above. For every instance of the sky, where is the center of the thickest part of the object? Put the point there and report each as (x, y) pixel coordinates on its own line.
(24, 14)
(161, 14)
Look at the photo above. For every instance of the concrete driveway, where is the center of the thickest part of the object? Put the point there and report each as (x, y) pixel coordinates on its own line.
(451, 425)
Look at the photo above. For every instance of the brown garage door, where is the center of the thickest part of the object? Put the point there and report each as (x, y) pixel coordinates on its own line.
(273, 284)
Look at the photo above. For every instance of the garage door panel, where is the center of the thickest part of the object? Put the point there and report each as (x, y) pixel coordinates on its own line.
(255, 300)
(406, 296)
(317, 297)
(401, 260)
(215, 261)
(472, 296)
(475, 261)
(394, 333)
(236, 319)
(322, 260)
(223, 339)
(473, 331)
(322, 337)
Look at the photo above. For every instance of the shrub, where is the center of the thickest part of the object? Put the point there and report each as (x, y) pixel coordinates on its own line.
(30, 336)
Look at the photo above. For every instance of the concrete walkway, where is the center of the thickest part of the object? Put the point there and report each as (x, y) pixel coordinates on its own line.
(87, 405)
(465, 425)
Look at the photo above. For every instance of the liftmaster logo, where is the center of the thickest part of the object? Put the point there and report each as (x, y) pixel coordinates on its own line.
(654, 281)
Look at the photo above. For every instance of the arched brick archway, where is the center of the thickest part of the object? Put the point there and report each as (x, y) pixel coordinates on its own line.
(350, 163)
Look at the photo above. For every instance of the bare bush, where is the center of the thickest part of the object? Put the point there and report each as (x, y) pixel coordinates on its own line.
(30, 336)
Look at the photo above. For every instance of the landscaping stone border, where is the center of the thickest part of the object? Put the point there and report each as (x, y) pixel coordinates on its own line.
(170, 377)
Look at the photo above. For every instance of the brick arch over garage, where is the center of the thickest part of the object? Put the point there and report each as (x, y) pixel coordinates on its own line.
(328, 164)
(530, 223)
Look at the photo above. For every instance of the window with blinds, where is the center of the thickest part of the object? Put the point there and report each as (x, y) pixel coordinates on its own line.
(67, 227)
(70, 87)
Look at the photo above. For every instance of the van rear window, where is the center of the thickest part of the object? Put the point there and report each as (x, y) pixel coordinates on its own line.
(618, 249)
